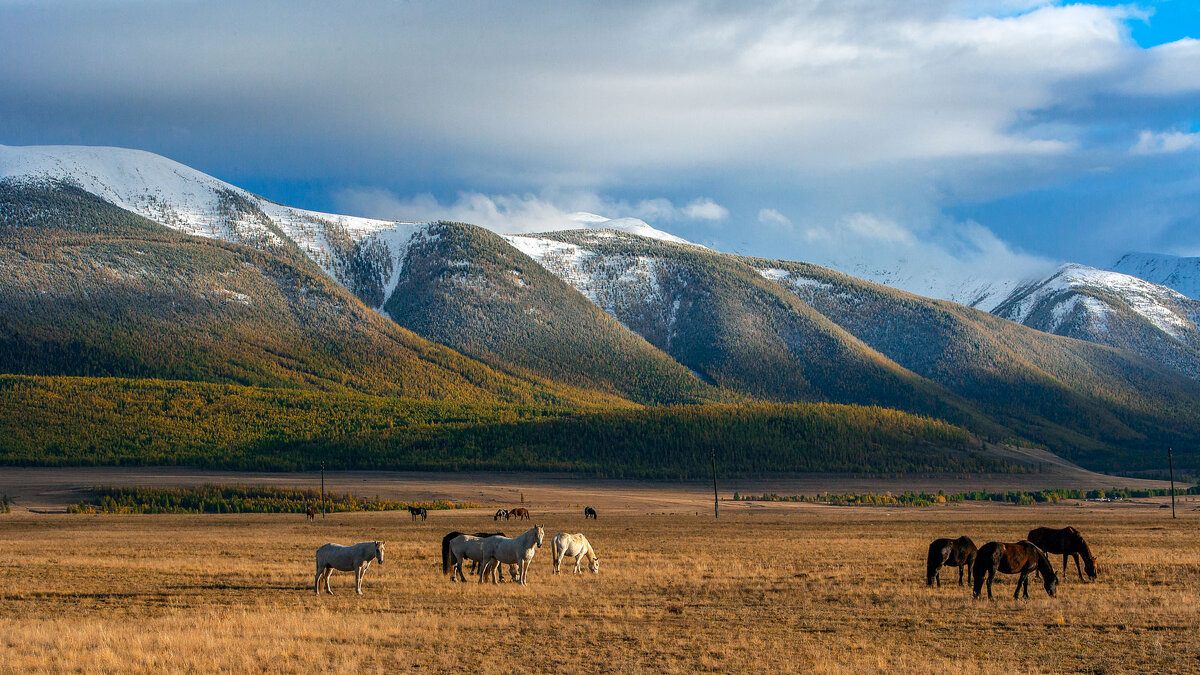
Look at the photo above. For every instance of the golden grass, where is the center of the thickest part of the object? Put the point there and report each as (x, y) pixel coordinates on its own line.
(840, 590)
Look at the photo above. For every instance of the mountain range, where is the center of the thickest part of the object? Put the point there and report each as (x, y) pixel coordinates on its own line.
(448, 345)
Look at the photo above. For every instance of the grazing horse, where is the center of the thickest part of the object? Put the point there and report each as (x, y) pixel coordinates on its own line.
(518, 551)
(346, 558)
(309, 514)
(453, 554)
(589, 512)
(958, 553)
(501, 514)
(576, 546)
(1069, 543)
(1021, 558)
(519, 513)
(415, 511)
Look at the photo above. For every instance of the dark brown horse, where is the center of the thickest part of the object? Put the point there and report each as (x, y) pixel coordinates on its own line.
(1069, 543)
(309, 514)
(519, 513)
(958, 553)
(1023, 557)
(589, 512)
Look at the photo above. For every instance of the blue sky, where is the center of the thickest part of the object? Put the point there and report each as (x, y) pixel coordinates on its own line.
(976, 134)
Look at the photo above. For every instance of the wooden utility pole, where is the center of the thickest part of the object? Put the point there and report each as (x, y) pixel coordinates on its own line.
(322, 490)
(1171, 468)
(716, 500)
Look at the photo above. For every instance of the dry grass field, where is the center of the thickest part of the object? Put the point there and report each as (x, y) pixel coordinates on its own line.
(780, 588)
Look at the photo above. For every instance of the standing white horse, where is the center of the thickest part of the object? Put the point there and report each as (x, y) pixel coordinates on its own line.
(576, 546)
(358, 557)
(518, 551)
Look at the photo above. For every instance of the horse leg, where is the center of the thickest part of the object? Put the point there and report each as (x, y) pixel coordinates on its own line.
(991, 576)
(328, 573)
(1077, 567)
(960, 575)
(317, 581)
(558, 560)
(524, 570)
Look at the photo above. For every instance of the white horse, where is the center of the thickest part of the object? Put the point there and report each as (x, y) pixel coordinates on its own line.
(518, 551)
(466, 547)
(346, 558)
(576, 546)
(501, 514)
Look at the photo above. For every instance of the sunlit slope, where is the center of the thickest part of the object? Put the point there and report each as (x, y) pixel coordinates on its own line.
(465, 287)
(90, 289)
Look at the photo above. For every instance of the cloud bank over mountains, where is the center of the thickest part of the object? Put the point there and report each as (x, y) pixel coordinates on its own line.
(961, 131)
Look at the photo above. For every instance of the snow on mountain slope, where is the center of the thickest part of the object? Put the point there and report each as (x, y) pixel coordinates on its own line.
(1074, 289)
(1181, 274)
(582, 220)
(978, 291)
(614, 283)
(363, 254)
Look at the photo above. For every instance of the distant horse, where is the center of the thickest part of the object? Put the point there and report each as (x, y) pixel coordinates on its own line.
(589, 512)
(519, 513)
(346, 558)
(576, 546)
(501, 514)
(309, 514)
(415, 511)
(1021, 558)
(1069, 543)
(518, 551)
(958, 553)
(454, 552)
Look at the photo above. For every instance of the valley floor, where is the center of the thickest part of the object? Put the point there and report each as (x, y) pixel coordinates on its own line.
(772, 588)
(52, 489)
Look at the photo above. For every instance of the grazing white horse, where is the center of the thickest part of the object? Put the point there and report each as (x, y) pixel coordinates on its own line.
(517, 550)
(576, 546)
(463, 548)
(358, 557)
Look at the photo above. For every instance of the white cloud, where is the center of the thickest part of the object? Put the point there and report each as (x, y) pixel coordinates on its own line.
(705, 209)
(514, 214)
(1165, 142)
(774, 219)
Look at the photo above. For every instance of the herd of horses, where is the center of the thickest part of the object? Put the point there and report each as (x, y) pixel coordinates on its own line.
(488, 552)
(1028, 556)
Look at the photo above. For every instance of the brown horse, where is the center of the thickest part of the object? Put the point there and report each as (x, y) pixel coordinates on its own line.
(519, 513)
(958, 553)
(1069, 543)
(1021, 558)
(309, 514)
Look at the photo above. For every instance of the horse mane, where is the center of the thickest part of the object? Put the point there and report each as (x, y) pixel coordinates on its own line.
(1079, 544)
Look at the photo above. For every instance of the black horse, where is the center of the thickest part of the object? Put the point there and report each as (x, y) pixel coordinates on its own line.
(1069, 543)
(958, 553)
(589, 512)
(415, 511)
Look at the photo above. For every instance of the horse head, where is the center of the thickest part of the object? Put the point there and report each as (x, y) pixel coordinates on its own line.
(379, 551)
(540, 535)
(1049, 577)
(1089, 568)
(594, 564)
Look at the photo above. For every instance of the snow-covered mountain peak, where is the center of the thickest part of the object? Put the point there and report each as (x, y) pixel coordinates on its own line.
(1074, 288)
(582, 220)
(363, 254)
(1181, 274)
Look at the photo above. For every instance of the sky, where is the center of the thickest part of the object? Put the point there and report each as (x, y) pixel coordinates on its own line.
(985, 137)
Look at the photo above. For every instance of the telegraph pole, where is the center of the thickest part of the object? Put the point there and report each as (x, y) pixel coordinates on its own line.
(1171, 467)
(322, 490)
(716, 500)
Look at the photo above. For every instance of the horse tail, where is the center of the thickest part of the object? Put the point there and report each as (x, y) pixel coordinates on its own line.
(446, 551)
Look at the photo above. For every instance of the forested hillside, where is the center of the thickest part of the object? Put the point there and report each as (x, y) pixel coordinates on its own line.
(59, 421)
